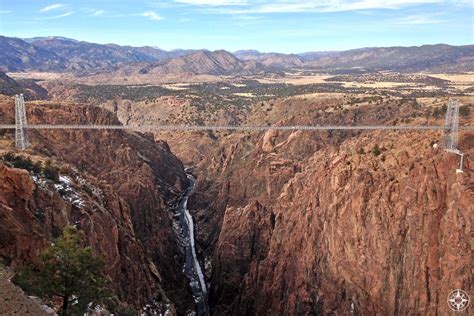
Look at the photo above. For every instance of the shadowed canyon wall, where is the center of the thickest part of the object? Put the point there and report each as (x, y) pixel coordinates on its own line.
(116, 186)
(322, 223)
(291, 223)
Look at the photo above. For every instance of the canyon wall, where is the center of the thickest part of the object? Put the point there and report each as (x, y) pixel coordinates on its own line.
(302, 223)
(288, 223)
(116, 186)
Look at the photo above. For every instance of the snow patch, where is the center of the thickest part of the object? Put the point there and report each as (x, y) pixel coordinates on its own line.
(69, 194)
(95, 190)
(39, 181)
(156, 309)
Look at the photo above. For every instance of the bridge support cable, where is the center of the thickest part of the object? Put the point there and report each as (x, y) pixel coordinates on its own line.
(451, 127)
(198, 128)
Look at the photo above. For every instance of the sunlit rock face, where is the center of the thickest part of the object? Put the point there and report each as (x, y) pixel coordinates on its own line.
(319, 223)
(117, 187)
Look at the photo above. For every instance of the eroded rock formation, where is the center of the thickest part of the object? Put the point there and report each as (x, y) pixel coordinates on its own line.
(323, 223)
(116, 186)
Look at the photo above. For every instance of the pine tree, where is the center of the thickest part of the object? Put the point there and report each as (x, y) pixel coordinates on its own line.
(68, 271)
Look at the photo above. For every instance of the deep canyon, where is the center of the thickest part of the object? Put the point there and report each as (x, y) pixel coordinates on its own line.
(235, 222)
(286, 223)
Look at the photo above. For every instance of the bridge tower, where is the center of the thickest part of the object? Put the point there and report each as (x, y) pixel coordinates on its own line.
(21, 135)
(451, 129)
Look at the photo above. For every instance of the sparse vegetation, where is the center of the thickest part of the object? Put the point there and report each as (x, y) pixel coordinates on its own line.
(51, 172)
(104, 93)
(15, 161)
(376, 150)
(39, 214)
(68, 272)
(440, 111)
(20, 162)
(464, 110)
(37, 167)
(87, 189)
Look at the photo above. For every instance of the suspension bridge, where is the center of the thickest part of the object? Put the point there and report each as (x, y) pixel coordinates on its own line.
(451, 127)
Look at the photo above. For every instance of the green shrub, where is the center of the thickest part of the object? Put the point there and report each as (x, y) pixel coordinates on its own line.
(23, 163)
(88, 190)
(19, 162)
(40, 214)
(51, 172)
(23, 278)
(376, 150)
(9, 157)
(37, 167)
(440, 111)
(464, 110)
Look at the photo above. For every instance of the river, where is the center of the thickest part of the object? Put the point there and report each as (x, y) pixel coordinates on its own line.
(192, 268)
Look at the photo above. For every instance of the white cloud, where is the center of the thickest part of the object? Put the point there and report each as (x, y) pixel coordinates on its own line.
(52, 7)
(244, 17)
(152, 15)
(419, 19)
(296, 6)
(464, 2)
(376, 4)
(54, 17)
(5, 11)
(248, 19)
(213, 2)
(97, 12)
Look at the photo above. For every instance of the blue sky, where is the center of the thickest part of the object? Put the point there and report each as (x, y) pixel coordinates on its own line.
(289, 26)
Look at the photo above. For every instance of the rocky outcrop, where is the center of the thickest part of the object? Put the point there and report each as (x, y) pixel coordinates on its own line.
(323, 223)
(291, 223)
(116, 186)
(355, 233)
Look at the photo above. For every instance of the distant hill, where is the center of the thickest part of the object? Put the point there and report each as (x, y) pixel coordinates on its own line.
(427, 57)
(203, 62)
(308, 56)
(64, 54)
(17, 55)
(271, 60)
(181, 52)
(85, 56)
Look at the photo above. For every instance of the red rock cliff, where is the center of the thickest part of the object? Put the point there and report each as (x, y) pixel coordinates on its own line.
(319, 223)
(131, 184)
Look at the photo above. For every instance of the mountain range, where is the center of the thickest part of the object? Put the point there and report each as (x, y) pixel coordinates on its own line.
(202, 62)
(59, 54)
